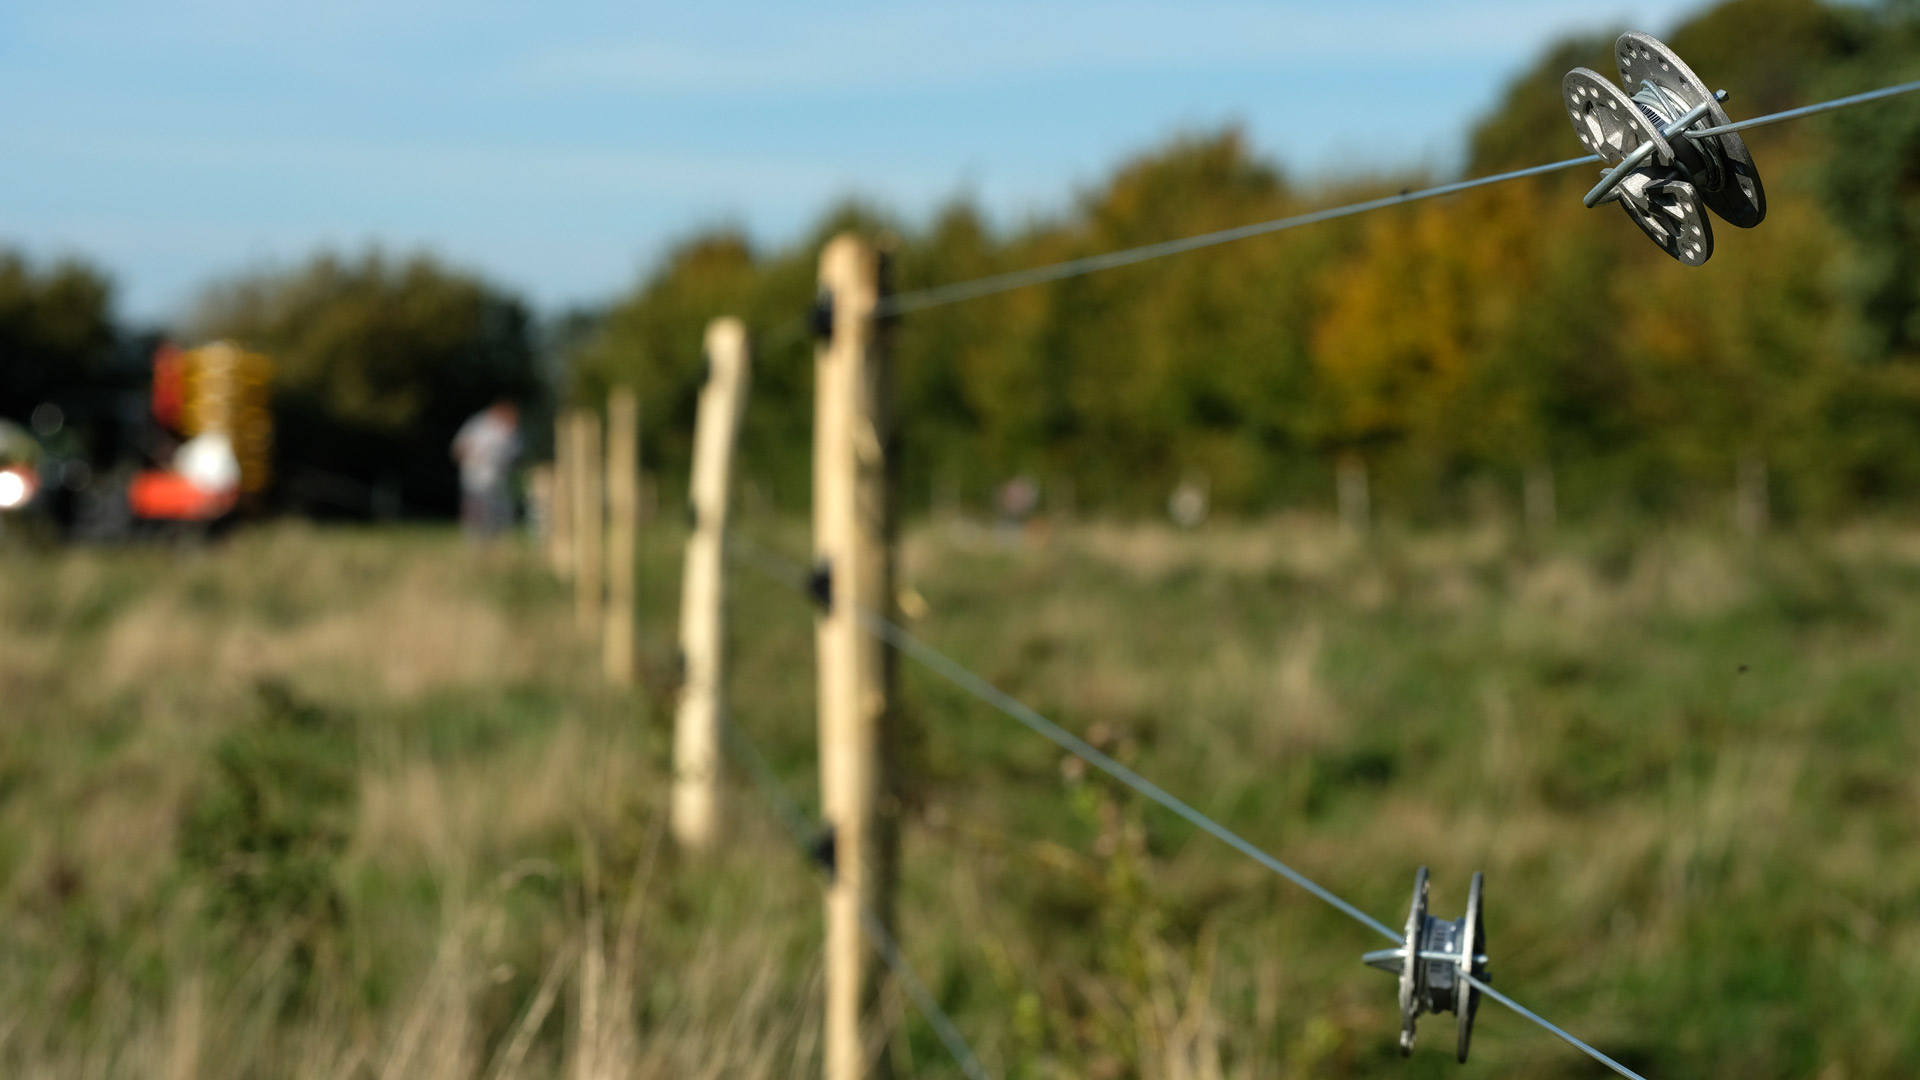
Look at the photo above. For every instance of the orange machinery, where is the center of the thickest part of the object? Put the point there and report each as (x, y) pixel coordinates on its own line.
(216, 398)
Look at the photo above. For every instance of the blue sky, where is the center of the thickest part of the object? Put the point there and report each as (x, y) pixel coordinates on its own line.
(560, 147)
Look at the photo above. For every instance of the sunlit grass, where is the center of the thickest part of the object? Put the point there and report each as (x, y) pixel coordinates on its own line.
(350, 803)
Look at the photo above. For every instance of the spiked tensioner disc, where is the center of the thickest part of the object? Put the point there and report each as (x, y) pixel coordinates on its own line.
(1668, 209)
(1434, 964)
(1663, 174)
(1606, 120)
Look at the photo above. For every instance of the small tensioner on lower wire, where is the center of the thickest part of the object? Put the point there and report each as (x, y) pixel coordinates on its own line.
(1666, 169)
(1437, 965)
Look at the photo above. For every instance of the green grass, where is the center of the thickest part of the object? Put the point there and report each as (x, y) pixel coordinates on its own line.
(355, 803)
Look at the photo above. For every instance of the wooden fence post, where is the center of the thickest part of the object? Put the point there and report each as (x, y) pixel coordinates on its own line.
(853, 534)
(623, 510)
(703, 600)
(560, 500)
(588, 521)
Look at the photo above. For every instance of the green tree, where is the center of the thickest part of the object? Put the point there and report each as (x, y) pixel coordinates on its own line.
(56, 330)
(377, 361)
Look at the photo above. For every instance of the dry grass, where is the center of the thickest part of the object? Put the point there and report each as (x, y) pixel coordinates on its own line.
(132, 667)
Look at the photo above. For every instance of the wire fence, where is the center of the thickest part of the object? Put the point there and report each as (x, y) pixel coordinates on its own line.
(788, 573)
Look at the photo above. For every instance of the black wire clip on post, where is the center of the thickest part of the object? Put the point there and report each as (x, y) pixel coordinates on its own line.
(1669, 164)
(1439, 965)
(820, 317)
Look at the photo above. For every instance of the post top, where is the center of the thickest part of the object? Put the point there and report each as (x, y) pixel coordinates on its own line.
(726, 347)
(850, 269)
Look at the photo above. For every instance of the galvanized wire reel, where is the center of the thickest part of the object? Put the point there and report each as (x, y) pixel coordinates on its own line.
(1434, 965)
(1668, 166)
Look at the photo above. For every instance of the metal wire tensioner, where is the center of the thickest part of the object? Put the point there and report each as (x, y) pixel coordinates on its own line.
(1442, 965)
(1663, 136)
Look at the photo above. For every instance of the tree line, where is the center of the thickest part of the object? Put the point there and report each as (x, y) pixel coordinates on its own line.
(1452, 345)
(377, 360)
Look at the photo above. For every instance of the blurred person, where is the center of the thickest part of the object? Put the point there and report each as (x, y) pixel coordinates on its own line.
(1191, 501)
(485, 448)
(1014, 503)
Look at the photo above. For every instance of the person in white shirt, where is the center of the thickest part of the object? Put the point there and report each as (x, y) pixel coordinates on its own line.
(485, 448)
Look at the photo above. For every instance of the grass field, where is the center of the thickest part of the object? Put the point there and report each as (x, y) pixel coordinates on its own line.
(351, 803)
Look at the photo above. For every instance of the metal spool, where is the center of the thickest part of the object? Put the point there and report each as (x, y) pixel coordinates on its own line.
(1719, 166)
(1432, 964)
(1662, 174)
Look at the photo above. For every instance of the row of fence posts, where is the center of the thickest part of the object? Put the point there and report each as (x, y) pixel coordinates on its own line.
(592, 518)
(591, 511)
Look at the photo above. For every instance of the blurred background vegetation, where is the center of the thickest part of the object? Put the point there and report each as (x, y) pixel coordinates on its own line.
(1453, 345)
(1455, 341)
